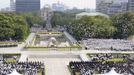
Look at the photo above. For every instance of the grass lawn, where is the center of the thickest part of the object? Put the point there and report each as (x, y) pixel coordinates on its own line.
(10, 60)
(77, 73)
(113, 59)
(9, 42)
(39, 73)
(9, 57)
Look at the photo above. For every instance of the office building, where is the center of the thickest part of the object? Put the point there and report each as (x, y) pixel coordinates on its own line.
(117, 8)
(111, 6)
(59, 7)
(131, 5)
(12, 5)
(102, 5)
(27, 5)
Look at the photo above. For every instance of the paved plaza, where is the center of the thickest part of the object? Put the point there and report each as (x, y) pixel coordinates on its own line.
(55, 61)
(56, 66)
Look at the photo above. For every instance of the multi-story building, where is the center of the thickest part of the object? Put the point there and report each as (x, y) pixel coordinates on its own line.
(12, 5)
(124, 6)
(120, 1)
(111, 6)
(117, 8)
(46, 14)
(59, 7)
(114, 8)
(102, 5)
(131, 5)
(27, 5)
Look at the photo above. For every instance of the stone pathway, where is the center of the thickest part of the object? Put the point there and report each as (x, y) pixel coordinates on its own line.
(56, 66)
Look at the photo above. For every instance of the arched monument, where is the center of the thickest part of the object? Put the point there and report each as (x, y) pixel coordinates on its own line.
(46, 14)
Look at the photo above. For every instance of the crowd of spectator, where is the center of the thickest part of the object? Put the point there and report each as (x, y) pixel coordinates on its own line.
(25, 68)
(101, 67)
(8, 45)
(107, 56)
(109, 44)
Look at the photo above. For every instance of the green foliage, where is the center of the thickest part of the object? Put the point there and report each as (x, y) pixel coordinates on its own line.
(61, 18)
(12, 27)
(124, 22)
(31, 18)
(91, 27)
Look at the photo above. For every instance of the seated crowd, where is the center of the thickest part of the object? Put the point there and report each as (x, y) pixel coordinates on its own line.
(101, 56)
(25, 68)
(101, 67)
(109, 44)
(8, 45)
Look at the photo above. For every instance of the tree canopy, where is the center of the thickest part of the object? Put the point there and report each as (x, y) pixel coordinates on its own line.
(12, 27)
(61, 18)
(124, 22)
(31, 18)
(120, 26)
(92, 27)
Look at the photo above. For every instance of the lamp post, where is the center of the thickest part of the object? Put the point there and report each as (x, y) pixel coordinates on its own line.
(3, 58)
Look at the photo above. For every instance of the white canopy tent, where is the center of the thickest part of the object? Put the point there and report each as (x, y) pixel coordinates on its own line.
(84, 57)
(112, 72)
(14, 73)
(23, 58)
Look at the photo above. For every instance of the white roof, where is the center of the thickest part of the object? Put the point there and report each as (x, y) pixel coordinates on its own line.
(23, 58)
(14, 73)
(84, 57)
(112, 72)
(92, 14)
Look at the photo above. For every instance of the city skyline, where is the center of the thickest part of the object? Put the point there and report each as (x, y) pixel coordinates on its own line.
(71, 3)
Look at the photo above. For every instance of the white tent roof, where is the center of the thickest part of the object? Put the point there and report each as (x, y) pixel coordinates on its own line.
(84, 57)
(112, 72)
(14, 73)
(23, 58)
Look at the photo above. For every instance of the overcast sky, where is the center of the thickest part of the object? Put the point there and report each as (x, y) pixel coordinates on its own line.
(70, 3)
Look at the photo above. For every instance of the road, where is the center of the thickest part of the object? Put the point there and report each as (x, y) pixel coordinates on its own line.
(41, 52)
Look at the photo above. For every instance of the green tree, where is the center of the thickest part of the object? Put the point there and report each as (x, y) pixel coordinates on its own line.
(124, 22)
(91, 27)
(12, 27)
(32, 18)
(61, 18)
